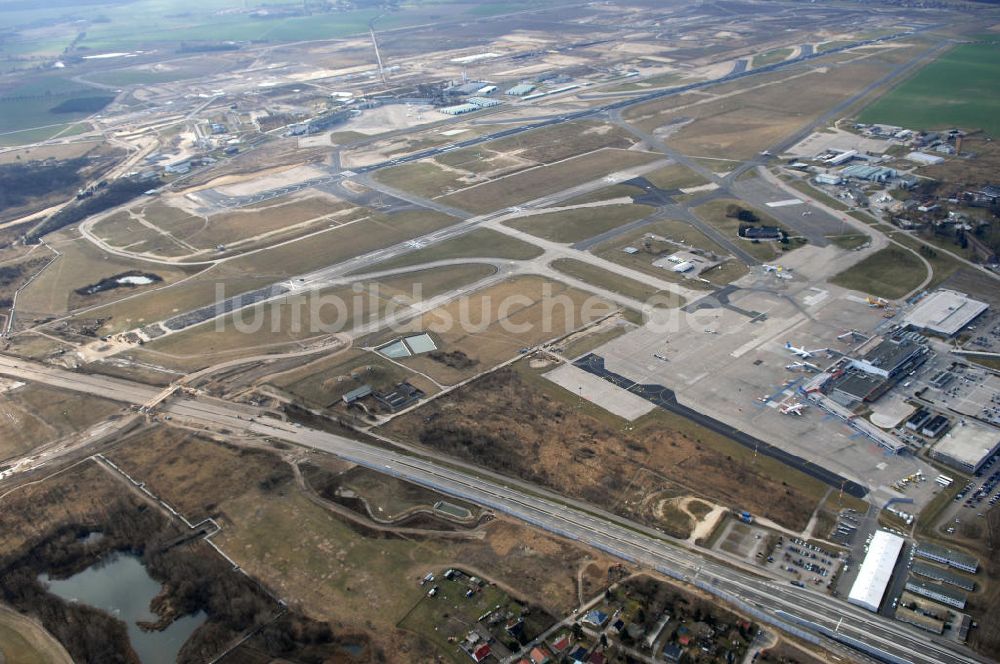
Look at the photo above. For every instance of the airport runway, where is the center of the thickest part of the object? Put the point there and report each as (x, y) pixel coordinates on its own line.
(618, 537)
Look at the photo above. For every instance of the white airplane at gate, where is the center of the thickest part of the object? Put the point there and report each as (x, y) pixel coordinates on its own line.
(802, 352)
(792, 409)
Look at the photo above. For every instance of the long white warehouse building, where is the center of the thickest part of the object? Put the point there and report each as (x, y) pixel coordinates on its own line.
(876, 571)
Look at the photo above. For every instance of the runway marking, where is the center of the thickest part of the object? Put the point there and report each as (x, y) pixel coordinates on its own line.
(784, 203)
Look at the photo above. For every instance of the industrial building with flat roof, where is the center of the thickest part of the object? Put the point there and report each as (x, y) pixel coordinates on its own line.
(891, 357)
(950, 557)
(920, 620)
(519, 90)
(937, 592)
(943, 575)
(484, 102)
(459, 109)
(944, 312)
(967, 447)
(876, 570)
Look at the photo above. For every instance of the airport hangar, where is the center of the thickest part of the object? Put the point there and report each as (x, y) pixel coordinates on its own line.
(875, 574)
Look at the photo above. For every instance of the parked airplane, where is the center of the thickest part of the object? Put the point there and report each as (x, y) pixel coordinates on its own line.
(792, 408)
(802, 352)
(778, 271)
(808, 366)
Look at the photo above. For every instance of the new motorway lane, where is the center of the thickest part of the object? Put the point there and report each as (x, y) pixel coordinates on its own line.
(617, 537)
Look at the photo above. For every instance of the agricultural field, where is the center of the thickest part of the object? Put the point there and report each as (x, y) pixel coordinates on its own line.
(956, 90)
(578, 224)
(42, 106)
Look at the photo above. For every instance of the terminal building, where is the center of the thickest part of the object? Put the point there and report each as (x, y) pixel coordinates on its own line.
(875, 574)
(944, 313)
(868, 377)
(892, 357)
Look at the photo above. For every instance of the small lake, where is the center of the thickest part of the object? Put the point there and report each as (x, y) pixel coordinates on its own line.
(121, 586)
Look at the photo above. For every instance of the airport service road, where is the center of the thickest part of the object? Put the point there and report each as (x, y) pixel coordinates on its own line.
(628, 543)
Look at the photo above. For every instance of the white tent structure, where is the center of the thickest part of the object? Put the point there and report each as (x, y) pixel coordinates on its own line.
(876, 571)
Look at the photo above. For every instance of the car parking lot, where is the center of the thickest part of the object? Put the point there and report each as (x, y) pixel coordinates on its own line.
(972, 392)
(977, 492)
(986, 335)
(848, 522)
(804, 563)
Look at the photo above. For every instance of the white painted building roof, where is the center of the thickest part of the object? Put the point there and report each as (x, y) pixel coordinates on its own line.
(876, 571)
(945, 312)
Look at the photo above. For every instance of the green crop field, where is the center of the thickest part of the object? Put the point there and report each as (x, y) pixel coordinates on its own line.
(958, 89)
(26, 107)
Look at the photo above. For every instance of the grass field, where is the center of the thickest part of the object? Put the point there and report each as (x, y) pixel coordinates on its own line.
(22, 641)
(480, 243)
(714, 213)
(266, 267)
(581, 223)
(616, 283)
(669, 229)
(494, 324)
(320, 314)
(771, 57)
(424, 178)
(959, 89)
(758, 112)
(942, 264)
(561, 141)
(849, 241)
(675, 176)
(890, 273)
(82, 264)
(321, 383)
(538, 182)
(33, 415)
(517, 422)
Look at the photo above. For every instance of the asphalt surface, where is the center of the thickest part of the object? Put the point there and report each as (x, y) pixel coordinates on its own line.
(614, 535)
